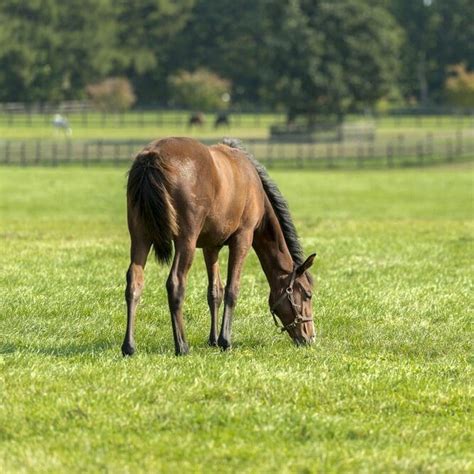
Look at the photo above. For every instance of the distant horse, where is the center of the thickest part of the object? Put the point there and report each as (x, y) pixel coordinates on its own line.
(222, 120)
(183, 192)
(196, 120)
(61, 123)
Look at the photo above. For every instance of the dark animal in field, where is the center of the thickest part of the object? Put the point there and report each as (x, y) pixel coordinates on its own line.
(184, 194)
(196, 120)
(222, 120)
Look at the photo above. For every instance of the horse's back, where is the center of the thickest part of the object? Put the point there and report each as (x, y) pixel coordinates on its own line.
(215, 190)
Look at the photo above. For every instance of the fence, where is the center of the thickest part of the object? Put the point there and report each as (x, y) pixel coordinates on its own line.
(87, 118)
(402, 150)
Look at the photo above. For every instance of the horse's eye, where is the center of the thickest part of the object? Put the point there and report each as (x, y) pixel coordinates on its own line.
(308, 295)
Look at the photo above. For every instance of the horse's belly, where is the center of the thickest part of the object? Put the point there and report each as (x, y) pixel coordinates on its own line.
(216, 234)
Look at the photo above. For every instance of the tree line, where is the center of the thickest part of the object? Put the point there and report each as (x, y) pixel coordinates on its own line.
(309, 57)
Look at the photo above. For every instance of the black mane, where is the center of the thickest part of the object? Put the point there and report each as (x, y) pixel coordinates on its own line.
(278, 202)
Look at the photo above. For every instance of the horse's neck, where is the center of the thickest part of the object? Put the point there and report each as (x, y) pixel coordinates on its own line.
(270, 246)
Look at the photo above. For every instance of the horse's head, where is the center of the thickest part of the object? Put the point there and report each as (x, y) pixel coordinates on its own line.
(292, 304)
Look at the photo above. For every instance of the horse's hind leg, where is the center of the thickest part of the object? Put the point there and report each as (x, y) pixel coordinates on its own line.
(176, 283)
(215, 291)
(135, 280)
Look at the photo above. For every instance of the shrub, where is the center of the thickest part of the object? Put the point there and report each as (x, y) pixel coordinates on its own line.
(459, 87)
(112, 95)
(199, 90)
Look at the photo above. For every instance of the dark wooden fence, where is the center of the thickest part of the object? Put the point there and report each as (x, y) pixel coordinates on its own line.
(402, 150)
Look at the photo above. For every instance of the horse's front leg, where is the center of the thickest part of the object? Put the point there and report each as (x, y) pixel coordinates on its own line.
(215, 290)
(176, 283)
(238, 249)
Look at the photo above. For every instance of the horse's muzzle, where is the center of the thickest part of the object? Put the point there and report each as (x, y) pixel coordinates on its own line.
(304, 341)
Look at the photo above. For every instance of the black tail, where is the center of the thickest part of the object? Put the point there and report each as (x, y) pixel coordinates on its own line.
(149, 198)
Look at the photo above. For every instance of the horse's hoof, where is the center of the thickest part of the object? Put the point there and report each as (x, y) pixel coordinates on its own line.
(212, 342)
(224, 344)
(183, 350)
(128, 350)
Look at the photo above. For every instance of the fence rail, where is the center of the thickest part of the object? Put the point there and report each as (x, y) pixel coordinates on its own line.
(392, 152)
(87, 118)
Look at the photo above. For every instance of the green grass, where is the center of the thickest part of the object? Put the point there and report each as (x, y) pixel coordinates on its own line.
(149, 125)
(386, 388)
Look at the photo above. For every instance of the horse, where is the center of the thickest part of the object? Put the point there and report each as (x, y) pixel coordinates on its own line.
(183, 194)
(61, 123)
(196, 119)
(222, 120)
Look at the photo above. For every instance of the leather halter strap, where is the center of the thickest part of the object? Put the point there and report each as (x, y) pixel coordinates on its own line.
(288, 293)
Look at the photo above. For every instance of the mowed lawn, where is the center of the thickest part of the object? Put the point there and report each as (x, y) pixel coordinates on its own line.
(386, 388)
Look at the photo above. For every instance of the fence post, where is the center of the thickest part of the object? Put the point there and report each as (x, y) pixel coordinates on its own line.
(459, 143)
(390, 155)
(68, 150)
(23, 153)
(38, 151)
(449, 151)
(400, 145)
(360, 156)
(270, 153)
(329, 157)
(429, 146)
(100, 150)
(299, 152)
(419, 153)
(7, 151)
(55, 154)
(116, 153)
(85, 154)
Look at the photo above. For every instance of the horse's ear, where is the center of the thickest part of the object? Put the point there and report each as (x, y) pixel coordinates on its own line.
(305, 265)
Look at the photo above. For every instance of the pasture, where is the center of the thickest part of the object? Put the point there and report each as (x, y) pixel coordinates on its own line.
(386, 388)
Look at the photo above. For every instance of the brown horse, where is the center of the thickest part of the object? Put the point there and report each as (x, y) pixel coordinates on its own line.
(183, 192)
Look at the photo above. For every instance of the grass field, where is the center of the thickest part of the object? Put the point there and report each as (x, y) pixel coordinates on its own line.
(386, 388)
(149, 125)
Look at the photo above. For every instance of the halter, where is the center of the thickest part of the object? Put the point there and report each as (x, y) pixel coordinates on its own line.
(288, 293)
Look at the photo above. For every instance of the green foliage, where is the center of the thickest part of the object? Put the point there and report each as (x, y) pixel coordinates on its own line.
(199, 90)
(145, 32)
(459, 88)
(304, 56)
(386, 388)
(114, 94)
(330, 58)
(226, 37)
(437, 34)
(50, 50)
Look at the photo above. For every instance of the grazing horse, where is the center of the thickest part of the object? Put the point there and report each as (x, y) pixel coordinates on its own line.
(196, 120)
(184, 193)
(222, 120)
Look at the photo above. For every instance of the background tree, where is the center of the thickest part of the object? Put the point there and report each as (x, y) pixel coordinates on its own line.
(329, 58)
(459, 87)
(50, 50)
(200, 90)
(228, 38)
(146, 32)
(437, 34)
(114, 94)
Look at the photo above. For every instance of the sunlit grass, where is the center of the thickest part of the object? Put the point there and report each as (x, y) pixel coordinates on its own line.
(387, 387)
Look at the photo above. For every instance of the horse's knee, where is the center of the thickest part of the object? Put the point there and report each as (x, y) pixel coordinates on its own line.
(231, 295)
(175, 289)
(135, 284)
(215, 294)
